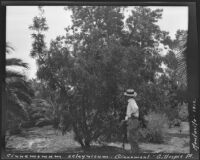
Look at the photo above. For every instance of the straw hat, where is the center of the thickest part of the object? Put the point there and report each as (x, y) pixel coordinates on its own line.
(130, 93)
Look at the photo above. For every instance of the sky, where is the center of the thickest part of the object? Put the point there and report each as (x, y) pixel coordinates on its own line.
(19, 18)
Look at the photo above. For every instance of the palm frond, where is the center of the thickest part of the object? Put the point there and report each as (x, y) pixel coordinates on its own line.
(37, 115)
(18, 89)
(180, 53)
(16, 62)
(23, 96)
(9, 48)
(15, 106)
(18, 83)
(181, 70)
(14, 74)
(43, 121)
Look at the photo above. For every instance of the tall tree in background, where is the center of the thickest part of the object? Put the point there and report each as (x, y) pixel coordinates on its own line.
(176, 61)
(181, 45)
(39, 26)
(144, 34)
(174, 79)
(40, 53)
(181, 70)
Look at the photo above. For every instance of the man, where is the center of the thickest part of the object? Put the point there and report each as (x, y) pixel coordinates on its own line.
(132, 115)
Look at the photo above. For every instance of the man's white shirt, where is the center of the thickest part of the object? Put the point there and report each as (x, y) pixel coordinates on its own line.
(132, 108)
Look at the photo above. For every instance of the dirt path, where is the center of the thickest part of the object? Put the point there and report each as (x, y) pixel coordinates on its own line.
(44, 139)
(47, 140)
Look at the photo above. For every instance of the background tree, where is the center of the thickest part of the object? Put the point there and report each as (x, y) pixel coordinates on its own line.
(43, 109)
(178, 48)
(177, 73)
(176, 62)
(18, 93)
(143, 35)
(51, 92)
(39, 27)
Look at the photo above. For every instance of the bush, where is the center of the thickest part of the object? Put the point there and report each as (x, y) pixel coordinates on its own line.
(143, 134)
(27, 124)
(183, 111)
(156, 125)
(175, 123)
(15, 130)
(13, 124)
(172, 113)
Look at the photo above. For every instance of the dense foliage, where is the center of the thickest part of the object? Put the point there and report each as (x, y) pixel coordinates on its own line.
(18, 92)
(86, 71)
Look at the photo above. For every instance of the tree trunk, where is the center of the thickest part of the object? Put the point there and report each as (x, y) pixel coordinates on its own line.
(87, 144)
(79, 139)
(81, 143)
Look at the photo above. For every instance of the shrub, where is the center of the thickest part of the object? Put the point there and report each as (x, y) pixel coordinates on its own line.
(175, 123)
(183, 111)
(143, 134)
(27, 124)
(156, 125)
(13, 124)
(172, 113)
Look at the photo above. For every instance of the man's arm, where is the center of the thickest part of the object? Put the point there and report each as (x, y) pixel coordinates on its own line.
(128, 112)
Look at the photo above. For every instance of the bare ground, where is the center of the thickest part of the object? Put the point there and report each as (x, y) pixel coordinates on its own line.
(47, 140)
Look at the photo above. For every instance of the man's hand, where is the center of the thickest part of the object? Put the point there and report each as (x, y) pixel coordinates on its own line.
(123, 122)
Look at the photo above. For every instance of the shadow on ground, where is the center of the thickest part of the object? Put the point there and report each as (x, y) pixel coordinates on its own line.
(47, 140)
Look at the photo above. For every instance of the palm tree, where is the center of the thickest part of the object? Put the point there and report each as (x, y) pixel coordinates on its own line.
(181, 71)
(18, 92)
